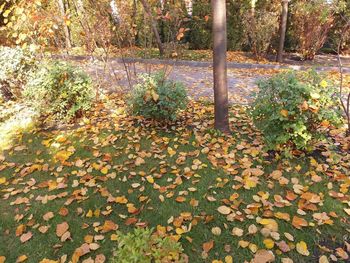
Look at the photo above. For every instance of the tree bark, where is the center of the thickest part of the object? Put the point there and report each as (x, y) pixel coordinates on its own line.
(154, 26)
(283, 29)
(5, 91)
(220, 65)
(65, 27)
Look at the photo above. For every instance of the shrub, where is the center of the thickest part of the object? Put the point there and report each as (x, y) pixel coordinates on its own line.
(293, 110)
(16, 64)
(141, 246)
(60, 90)
(259, 31)
(311, 23)
(157, 98)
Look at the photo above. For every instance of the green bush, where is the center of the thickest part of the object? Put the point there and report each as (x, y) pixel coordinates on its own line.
(16, 65)
(59, 90)
(157, 98)
(293, 110)
(141, 246)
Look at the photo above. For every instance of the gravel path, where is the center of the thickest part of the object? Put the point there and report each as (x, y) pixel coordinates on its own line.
(198, 80)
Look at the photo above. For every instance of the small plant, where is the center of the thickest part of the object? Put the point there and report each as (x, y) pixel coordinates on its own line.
(60, 90)
(16, 64)
(141, 246)
(158, 98)
(294, 110)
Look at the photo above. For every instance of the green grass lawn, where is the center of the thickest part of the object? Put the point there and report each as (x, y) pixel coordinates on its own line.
(136, 174)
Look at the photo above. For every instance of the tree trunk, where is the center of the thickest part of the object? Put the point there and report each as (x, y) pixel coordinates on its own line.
(154, 26)
(283, 29)
(5, 91)
(220, 65)
(65, 27)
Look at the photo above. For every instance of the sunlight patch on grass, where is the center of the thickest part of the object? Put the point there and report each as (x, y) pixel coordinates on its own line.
(21, 120)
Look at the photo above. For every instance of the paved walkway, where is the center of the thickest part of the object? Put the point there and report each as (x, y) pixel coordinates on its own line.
(197, 80)
(197, 76)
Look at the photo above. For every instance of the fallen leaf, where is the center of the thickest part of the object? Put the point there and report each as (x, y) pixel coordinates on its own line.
(269, 243)
(299, 222)
(100, 258)
(302, 248)
(109, 226)
(48, 216)
(207, 246)
(323, 259)
(225, 210)
(21, 258)
(61, 229)
(216, 231)
(263, 256)
(341, 253)
(25, 237)
(237, 231)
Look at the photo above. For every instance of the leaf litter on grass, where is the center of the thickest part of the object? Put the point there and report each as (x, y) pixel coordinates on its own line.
(220, 196)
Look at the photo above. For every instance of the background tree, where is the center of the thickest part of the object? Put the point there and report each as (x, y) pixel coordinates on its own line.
(283, 29)
(154, 26)
(65, 22)
(220, 65)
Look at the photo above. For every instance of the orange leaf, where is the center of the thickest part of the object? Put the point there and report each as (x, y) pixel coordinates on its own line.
(61, 229)
(207, 246)
(299, 222)
(25, 237)
(109, 226)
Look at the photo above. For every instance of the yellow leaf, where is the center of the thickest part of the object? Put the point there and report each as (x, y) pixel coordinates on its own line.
(228, 259)
(89, 213)
(323, 84)
(269, 243)
(104, 170)
(97, 212)
(150, 179)
(243, 243)
(63, 156)
(171, 152)
(2, 180)
(179, 231)
(6, 13)
(253, 247)
(269, 223)
(121, 200)
(302, 248)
